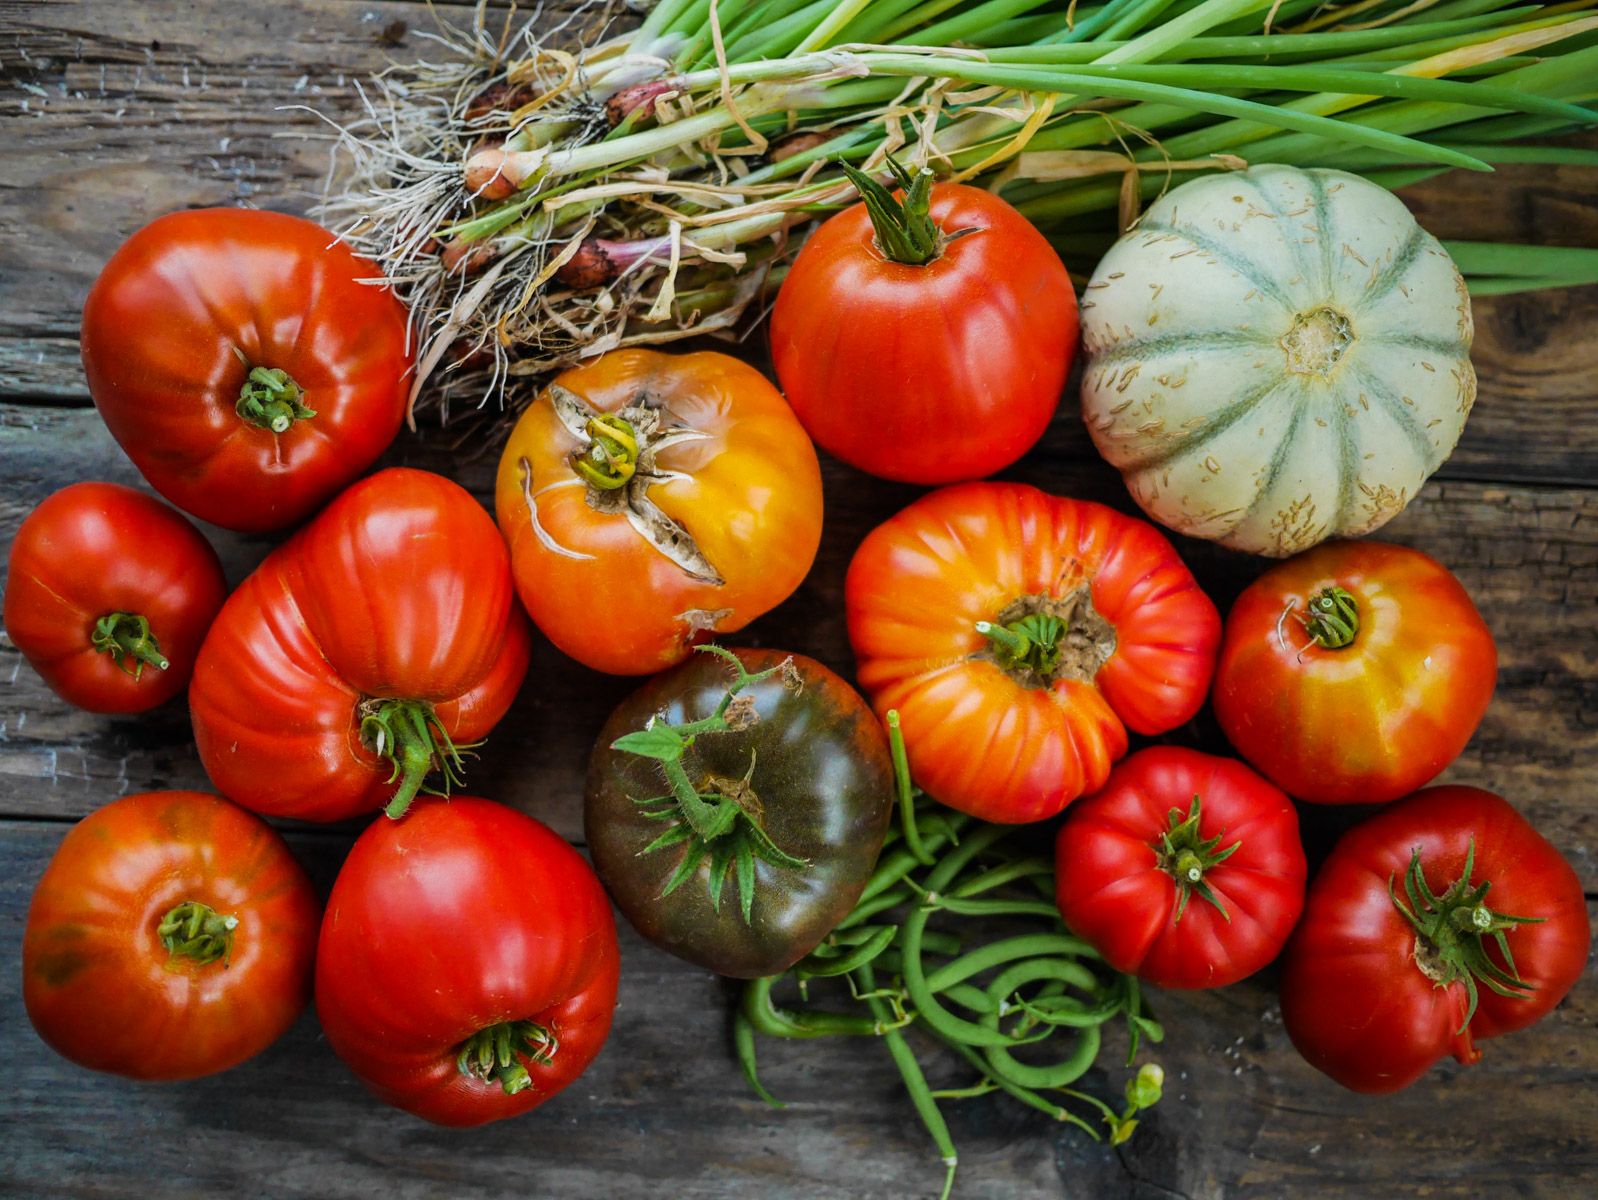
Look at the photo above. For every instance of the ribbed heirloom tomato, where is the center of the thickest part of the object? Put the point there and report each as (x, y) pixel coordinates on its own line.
(109, 594)
(1399, 959)
(651, 500)
(1354, 673)
(243, 364)
(1020, 635)
(1186, 869)
(170, 937)
(929, 342)
(362, 655)
(467, 966)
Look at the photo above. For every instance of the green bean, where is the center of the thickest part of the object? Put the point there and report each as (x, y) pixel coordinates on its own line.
(743, 1041)
(915, 1083)
(868, 949)
(1004, 873)
(915, 980)
(907, 806)
(992, 908)
(1032, 945)
(1068, 1070)
(1024, 1094)
(974, 998)
(773, 1021)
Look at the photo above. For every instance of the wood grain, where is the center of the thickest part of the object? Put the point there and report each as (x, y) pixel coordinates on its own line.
(117, 112)
(664, 1111)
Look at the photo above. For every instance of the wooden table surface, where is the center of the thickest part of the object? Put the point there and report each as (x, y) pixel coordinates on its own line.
(116, 112)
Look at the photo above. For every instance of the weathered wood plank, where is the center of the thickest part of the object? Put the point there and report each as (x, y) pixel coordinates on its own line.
(1529, 556)
(148, 107)
(1244, 1117)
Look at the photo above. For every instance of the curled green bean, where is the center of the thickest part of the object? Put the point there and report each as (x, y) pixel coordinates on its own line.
(769, 1019)
(1032, 945)
(867, 950)
(907, 806)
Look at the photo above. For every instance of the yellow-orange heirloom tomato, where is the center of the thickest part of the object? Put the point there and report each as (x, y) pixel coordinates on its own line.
(653, 500)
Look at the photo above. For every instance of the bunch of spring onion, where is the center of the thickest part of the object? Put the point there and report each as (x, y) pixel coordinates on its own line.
(543, 195)
(957, 937)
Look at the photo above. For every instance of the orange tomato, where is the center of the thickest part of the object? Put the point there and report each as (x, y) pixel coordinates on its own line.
(652, 500)
(1020, 635)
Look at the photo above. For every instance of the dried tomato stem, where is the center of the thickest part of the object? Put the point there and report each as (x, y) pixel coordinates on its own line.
(409, 735)
(611, 458)
(1186, 856)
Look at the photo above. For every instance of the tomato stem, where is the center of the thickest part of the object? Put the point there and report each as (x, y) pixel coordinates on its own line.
(906, 232)
(126, 637)
(1333, 618)
(1186, 855)
(611, 457)
(271, 400)
(494, 1053)
(196, 931)
(1449, 933)
(1031, 643)
(409, 735)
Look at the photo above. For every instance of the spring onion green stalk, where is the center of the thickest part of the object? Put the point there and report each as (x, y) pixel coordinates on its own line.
(540, 197)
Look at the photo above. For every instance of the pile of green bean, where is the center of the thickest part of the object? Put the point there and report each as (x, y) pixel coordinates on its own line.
(974, 983)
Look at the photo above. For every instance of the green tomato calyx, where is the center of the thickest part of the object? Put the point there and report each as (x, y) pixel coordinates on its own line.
(409, 735)
(197, 932)
(1187, 856)
(494, 1054)
(906, 232)
(1030, 644)
(610, 459)
(1449, 933)
(269, 399)
(717, 819)
(126, 637)
(1332, 621)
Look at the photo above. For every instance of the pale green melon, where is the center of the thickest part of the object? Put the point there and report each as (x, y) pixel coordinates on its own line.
(1276, 356)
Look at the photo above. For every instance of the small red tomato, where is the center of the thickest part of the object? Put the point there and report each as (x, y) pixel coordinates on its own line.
(170, 937)
(109, 594)
(245, 363)
(1186, 870)
(927, 343)
(1399, 960)
(467, 968)
(362, 655)
(1354, 673)
(1020, 635)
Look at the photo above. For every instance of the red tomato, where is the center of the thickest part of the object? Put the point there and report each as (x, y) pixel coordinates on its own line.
(932, 372)
(1020, 635)
(362, 654)
(1354, 673)
(109, 594)
(1373, 994)
(170, 937)
(514, 937)
(242, 363)
(1186, 870)
(654, 500)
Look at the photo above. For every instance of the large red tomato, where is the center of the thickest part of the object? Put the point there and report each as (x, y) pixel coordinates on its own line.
(362, 655)
(1399, 959)
(1354, 673)
(931, 348)
(467, 968)
(1186, 869)
(171, 936)
(244, 364)
(1020, 635)
(109, 594)
(654, 500)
